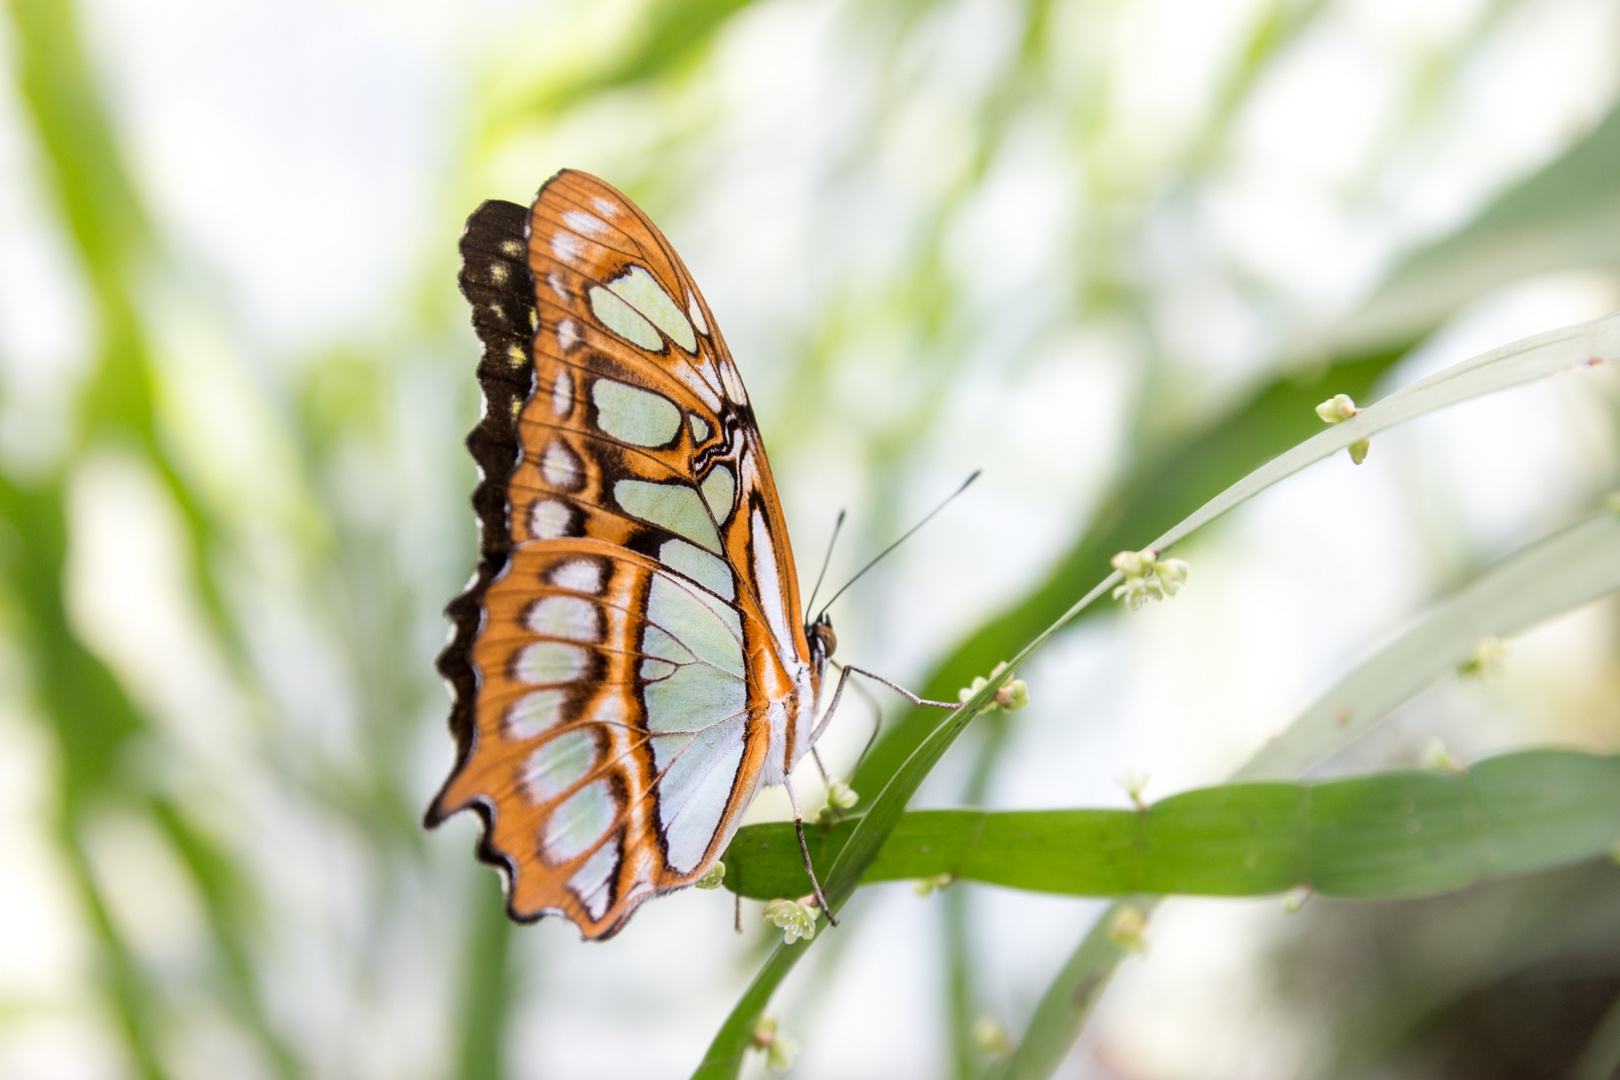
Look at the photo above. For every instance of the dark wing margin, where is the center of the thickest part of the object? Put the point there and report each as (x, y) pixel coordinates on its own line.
(495, 280)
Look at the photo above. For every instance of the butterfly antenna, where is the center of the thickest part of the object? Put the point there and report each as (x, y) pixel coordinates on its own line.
(904, 537)
(826, 560)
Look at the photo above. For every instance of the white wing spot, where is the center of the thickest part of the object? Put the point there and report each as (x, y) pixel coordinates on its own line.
(559, 285)
(567, 247)
(550, 519)
(733, 383)
(588, 224)
(562, 393)
(567, 335)
(579, 575)
(511, 248)
(499, 272)
(560, 467)
(695, 310)
(605, 207)
(700, 429)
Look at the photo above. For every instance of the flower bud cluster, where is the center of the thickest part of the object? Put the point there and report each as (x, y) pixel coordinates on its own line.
(1336, 410)
(1011, 695)
(840, 797)
(1148, 577)
(796, 918)
(714, 878)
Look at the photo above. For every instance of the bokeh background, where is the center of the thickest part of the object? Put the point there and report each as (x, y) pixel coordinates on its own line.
(1058, 240)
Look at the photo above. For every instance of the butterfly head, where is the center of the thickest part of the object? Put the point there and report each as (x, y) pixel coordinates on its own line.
(823, 642)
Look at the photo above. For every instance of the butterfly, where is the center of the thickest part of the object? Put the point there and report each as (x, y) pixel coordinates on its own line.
(628, 665)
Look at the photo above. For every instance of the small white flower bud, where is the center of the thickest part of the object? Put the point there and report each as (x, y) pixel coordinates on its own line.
(1337, 409)
(1436, 758)
(1172, 574)
(714, 878)
(990, 1037)
(1013, 695)
(927, 886)
(1134, 785)
(1126, 929)
(1485, 660)
(1134, 563)
(779, 1049)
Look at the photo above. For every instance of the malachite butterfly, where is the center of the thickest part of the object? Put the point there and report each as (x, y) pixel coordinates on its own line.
(628, 663)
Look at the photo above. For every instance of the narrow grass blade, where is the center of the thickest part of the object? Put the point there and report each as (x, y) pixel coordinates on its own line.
(1063, 1010)
(1559, 574)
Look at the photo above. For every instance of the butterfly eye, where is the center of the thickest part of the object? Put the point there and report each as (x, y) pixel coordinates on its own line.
(824, 634)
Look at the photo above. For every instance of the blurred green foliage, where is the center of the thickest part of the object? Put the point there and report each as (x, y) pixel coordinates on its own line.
(1565, 217)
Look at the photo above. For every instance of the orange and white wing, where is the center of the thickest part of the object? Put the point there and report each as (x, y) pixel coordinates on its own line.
(628, 663)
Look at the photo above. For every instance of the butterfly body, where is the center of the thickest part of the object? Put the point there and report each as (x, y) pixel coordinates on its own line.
(628, 664)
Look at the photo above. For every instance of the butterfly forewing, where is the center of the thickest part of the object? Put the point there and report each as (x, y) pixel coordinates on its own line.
(636, 666)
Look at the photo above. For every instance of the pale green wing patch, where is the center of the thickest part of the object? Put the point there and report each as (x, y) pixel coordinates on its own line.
(580, 821)
(619, 317)
(558, 765)
(700, 566)
(632, 415)
(641, 291)
(696, 699)
(719, 488)
(695, 788)
(682, 612)
(675, 507)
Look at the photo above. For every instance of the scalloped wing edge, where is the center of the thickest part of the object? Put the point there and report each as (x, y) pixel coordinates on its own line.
(495, 279)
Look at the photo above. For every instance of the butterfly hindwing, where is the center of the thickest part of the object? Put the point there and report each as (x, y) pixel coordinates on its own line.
(636, 668)
(615, 716)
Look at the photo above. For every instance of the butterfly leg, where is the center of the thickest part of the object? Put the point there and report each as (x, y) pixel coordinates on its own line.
(832, 706)
(897, 688)
(804, 849)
